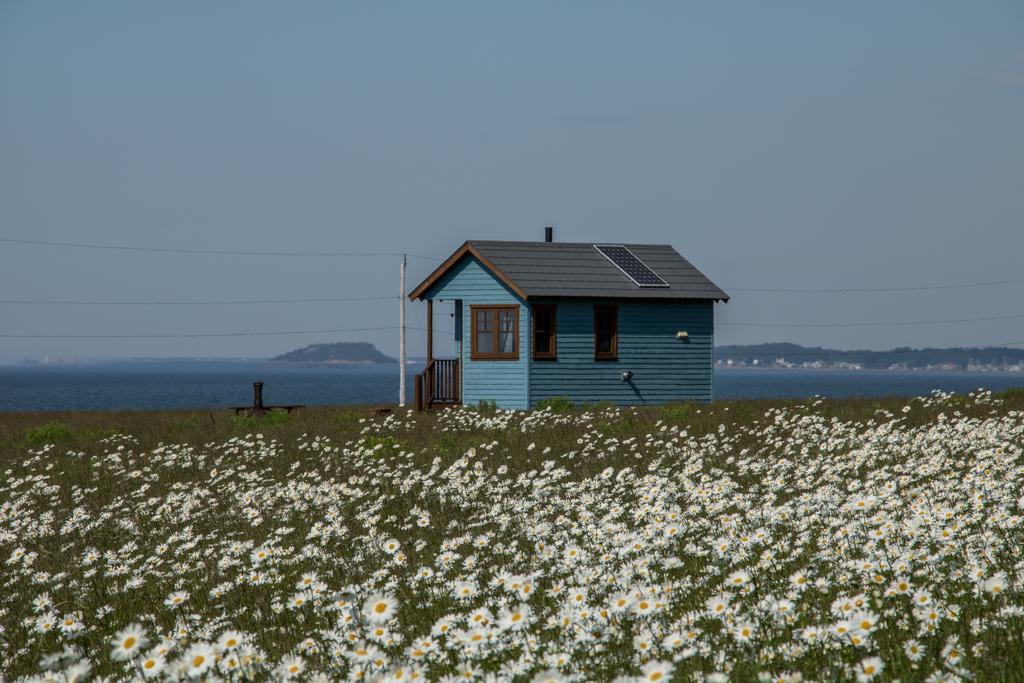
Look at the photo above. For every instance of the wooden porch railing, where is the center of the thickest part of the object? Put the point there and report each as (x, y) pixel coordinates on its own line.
(438, 385)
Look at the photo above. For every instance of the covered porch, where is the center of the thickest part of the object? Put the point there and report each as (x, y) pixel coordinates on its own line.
(440, 383)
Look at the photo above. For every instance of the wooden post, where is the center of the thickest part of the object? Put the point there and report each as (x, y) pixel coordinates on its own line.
(458, 383)
(401, 334)
(417, 387)
(430, 330)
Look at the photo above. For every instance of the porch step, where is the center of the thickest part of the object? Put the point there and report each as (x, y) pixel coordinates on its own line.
(435, 405)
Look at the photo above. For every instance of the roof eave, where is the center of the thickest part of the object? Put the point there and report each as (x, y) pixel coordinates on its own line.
(716, 299)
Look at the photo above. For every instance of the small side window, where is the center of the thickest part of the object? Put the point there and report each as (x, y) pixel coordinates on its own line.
(544, 342)
(606, 337)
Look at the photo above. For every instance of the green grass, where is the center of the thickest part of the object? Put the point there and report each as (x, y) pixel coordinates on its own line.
(49, 433)
(556, 404)
(75, 430)
(199, 481)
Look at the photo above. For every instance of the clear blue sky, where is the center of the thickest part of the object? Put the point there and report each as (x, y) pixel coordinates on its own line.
(784, 144)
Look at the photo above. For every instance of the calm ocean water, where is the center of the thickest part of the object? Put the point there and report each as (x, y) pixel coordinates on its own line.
(152, 386)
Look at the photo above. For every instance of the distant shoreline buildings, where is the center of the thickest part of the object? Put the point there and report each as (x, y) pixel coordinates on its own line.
(783, 364)
(795, 357)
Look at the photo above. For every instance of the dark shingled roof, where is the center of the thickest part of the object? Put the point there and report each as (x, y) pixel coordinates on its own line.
(575, 269)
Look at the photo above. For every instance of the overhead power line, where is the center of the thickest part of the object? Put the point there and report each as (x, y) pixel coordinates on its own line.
(186, 335)
(875, 290)
(899, 323)
(215, 252)
(223, 302)
(215, 334)
(233, 252)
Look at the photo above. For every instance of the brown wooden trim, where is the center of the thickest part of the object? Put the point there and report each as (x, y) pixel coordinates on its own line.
(439, 271)
(439, 384)
(493, 354)
(452, 260)
(553, 353)
(614, 353)
(497, 272)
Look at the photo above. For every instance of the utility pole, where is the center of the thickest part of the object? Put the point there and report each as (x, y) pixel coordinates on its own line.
(401, 334)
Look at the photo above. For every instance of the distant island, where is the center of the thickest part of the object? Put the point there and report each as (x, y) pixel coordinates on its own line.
(784, 355)
(338, 353)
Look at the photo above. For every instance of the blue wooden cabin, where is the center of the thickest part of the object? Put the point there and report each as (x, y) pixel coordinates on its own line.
(627, 323)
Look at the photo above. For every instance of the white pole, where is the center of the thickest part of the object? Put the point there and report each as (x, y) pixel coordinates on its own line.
(401, 335)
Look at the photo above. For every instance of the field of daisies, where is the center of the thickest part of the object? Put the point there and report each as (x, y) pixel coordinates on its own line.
(734, 542)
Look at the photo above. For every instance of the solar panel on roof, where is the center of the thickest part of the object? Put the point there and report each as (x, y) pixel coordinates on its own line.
(626, 261)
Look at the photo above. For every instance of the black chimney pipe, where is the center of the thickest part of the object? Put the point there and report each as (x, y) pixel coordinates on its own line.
(548, 233)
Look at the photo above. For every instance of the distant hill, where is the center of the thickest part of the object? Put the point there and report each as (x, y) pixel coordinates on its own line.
(338, 353)
(784, 355)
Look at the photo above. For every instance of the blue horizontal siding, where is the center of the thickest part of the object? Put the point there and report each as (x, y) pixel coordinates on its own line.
(501, 381)
(664, 368)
